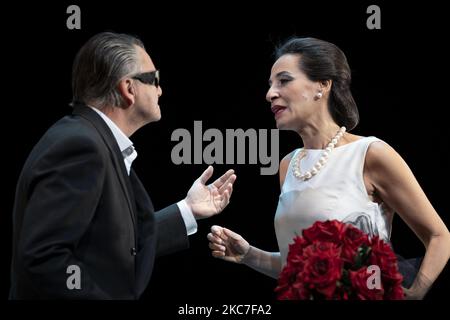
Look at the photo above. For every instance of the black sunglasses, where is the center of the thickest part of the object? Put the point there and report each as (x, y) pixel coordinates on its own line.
(151, 78)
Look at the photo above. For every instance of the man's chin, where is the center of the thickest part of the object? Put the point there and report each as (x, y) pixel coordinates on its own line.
(156, 116)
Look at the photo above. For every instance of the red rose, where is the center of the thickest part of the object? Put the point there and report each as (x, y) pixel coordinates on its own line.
(285, 288)
(352, 240)
(323, 268)
(359, 283)
(383, 256)
(296, 248)
(330, 261)
(330, 230)
(301, 290)
(394, 293)
(382, 251)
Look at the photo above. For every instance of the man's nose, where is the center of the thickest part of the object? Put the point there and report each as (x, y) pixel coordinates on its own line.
(159, 91)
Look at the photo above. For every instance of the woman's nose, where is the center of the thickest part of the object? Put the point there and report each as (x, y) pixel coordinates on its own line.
(271, 94)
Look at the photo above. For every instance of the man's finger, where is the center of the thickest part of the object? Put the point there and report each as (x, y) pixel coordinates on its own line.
(231, 190)
(227, 183)
(220, 181)
(226, 198)
(206, 174)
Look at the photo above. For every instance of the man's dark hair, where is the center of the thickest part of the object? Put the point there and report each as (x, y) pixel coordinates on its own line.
(99, 66)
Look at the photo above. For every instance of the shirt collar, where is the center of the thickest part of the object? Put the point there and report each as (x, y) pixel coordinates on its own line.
(125, 144)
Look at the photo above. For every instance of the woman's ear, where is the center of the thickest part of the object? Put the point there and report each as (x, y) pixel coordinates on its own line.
(127, 91)
(325, 86)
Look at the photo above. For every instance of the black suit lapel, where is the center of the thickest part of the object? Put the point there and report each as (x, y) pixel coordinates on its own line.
(116, 155)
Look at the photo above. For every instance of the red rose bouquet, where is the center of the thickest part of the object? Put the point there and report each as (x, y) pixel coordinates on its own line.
(337, 261)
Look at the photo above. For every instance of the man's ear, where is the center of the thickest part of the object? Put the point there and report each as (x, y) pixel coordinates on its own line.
(127, 91)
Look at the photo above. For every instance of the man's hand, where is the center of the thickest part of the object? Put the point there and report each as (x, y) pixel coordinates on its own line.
(208, 200)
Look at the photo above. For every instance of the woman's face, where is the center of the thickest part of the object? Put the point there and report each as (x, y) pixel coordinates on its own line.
(291, 93)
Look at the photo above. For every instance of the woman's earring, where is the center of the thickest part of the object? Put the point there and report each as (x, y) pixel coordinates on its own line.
(318, 95)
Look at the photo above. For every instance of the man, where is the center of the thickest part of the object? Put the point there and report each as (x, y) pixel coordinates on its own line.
(84, 226)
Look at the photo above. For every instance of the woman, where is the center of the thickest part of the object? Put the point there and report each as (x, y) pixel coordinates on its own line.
(336, 175)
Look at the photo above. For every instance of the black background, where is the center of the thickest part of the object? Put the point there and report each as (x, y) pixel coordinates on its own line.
(215, 60)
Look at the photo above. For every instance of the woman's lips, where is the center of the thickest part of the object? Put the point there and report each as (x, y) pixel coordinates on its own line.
(278, 110)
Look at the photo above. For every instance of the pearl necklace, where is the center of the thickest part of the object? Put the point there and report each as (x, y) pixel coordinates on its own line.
(320, 163)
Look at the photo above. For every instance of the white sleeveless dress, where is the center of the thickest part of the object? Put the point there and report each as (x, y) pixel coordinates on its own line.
(336, 192)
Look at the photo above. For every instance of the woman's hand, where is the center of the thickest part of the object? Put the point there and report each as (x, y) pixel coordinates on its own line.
(410, 294)
(419, 288)
(227, 245)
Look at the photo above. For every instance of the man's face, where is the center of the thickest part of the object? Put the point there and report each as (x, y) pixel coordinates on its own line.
(146, 106)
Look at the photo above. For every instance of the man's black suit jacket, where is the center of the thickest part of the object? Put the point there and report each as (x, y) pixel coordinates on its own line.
(76, 205)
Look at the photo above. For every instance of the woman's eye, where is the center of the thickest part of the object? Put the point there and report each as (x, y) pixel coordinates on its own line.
(284, 81)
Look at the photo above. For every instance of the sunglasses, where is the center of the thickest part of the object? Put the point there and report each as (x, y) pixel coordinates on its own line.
(151, 78)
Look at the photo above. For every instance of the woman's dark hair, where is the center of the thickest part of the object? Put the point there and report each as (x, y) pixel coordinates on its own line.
(320, 61)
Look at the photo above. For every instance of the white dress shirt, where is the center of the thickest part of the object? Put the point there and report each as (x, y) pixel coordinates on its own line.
(129, 155)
